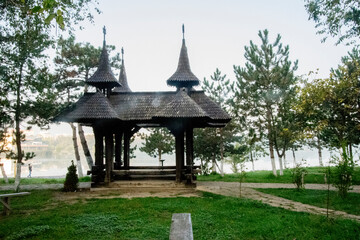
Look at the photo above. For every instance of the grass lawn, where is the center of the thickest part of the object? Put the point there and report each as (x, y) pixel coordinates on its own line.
(42, 180)
(351, 204)
(42, 216)
(315, 175)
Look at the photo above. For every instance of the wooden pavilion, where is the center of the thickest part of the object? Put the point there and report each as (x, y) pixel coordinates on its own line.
(116, 113)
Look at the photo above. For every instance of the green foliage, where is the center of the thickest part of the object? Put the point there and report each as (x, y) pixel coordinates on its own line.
(343, 173)
(150, 218)
(319, 198)
(336, 19)
(264, 90)
(71, 180)
(160, 141)
(298, 176)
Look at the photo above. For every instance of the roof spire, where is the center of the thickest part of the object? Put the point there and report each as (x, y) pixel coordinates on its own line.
(183, 32)
(122, 77)
(122, 55)
(103, 78)
(104, 32)
(183, 77)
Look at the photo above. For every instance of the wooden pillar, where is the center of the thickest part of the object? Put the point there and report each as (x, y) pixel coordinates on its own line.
(118, 146)
(179, 152)
(189, 146)
(109, 153)
(99, 147)
(127, 149)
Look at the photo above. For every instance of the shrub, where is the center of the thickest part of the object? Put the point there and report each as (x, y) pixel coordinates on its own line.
(298, 174)
(343, 172)
(71, 181)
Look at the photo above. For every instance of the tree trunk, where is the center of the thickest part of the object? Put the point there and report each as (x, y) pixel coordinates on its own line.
(4, 174)
(271, 142)
(350, 150)
(285, 166)
(294, 157)
(159, 153)
(281, 166)
(222, 152)
(76, 150)
(18, 133)
(213, 167)
(85, 147)
(319, 152)
(252, 161)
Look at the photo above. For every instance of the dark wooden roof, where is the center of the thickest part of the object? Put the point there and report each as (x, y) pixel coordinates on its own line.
(182, 106)
(103, 77)
(183, 77)
(145, 107)
(90, 108)
(122, 79)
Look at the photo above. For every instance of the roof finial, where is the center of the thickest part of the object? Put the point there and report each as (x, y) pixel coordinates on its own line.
(122, 55)
(183, 32)
(104, 31)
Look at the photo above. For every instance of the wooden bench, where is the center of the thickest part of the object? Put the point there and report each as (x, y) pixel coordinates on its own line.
(181, 227)
(5, 200)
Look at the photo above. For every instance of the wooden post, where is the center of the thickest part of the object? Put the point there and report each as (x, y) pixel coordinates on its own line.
(127, 149)
(99, 147)
(118, 143)
(109, 152)
(179, 152)
(190, 152)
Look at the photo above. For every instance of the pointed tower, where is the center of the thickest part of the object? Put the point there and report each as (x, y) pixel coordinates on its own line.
(103, 78)
(183, 77)
(122, 77)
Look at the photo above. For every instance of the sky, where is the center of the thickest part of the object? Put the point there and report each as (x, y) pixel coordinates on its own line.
(216, 33)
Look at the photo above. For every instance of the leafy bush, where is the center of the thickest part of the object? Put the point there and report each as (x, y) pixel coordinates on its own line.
(71, 181)
(298, 174)
(343, 172)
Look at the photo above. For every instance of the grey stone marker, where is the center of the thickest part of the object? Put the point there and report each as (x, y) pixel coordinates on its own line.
(181, 227)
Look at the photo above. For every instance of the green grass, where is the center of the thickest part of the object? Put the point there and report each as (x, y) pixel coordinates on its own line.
(315, 175)
(43, 180)
(213, 217)
(351, 204)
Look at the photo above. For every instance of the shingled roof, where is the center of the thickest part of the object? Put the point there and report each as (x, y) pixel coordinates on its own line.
(91, 107)
(183, 77)
(103, 77)
(122, 77)
(182, 106)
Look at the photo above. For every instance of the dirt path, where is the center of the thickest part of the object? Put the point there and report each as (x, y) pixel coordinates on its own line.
(232, 189)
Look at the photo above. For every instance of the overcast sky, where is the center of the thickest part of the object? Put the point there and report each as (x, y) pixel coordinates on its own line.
(215, 31)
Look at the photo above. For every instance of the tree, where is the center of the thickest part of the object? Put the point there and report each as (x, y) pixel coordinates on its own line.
(339, 19)
(24, 72)
(263, 86)
(158, 142)
(219, 89)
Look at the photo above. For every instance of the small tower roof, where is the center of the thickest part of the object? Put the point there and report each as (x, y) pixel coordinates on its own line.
(122, 77)
(183, 77)
(103, 77)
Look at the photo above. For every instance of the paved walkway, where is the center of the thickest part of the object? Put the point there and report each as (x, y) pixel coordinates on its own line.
(247, 191)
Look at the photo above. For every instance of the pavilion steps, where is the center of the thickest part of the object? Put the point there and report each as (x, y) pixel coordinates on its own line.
(143, 185)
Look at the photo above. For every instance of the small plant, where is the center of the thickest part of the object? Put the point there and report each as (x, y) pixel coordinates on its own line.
(298, 174)
(242, 176)
(343, 172)
(71, 181)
